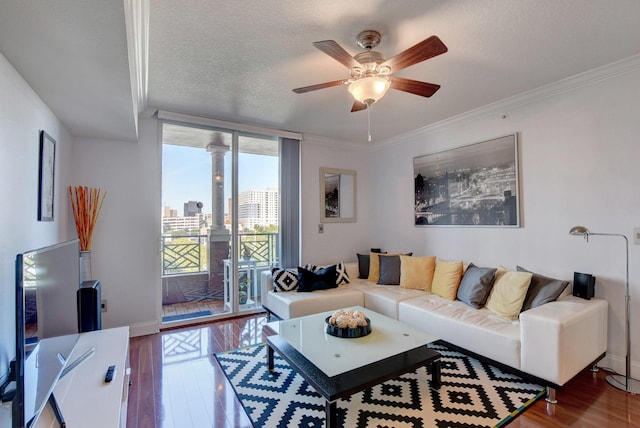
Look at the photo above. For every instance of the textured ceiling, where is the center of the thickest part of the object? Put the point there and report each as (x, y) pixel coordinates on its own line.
(238, 61)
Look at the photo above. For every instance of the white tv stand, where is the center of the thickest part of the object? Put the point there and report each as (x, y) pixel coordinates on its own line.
(82, 395)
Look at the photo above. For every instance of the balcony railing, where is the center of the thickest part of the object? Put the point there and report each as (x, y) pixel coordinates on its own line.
(261, 247)
(183, 254)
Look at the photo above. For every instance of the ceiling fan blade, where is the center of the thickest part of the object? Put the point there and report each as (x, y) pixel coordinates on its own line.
(424, 50)
(318, 86)
(357, 106)
(423, 89)
(335, 51)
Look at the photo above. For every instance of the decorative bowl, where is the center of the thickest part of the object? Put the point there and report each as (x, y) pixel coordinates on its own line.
(348, 333)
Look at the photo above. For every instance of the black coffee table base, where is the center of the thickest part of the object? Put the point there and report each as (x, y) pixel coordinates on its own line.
(348, 383)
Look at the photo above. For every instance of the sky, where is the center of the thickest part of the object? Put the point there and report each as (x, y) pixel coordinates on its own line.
(186, 175)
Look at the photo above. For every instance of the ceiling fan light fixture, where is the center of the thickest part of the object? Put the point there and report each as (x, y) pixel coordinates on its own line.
(368, 90)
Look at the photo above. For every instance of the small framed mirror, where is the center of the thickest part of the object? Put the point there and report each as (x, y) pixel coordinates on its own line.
(337, 195)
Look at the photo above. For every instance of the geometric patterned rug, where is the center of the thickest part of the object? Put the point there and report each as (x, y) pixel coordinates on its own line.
(473, 394)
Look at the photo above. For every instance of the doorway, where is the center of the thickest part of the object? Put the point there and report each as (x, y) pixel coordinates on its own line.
(220, 220)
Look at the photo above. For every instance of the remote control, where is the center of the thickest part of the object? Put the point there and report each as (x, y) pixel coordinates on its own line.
(111, 372)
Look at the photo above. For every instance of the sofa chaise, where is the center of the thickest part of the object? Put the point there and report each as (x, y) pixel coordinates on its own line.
(550, 343)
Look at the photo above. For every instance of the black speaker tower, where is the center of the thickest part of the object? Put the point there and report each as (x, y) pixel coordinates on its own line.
(89, 306)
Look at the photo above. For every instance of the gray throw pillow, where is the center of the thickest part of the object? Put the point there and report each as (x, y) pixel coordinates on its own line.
(476, 285)
(389, 270)
(541, 290)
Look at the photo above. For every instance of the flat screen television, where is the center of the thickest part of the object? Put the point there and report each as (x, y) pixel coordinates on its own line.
(47, 281)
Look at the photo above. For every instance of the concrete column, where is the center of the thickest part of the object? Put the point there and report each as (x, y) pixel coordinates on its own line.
(218, 251)
(219, 236)
(218, 149)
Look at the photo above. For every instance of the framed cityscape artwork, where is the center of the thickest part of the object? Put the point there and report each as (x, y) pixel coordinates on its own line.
(46, 174)
(474, 185)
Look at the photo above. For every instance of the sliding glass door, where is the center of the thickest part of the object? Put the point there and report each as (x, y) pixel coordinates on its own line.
(220, 219)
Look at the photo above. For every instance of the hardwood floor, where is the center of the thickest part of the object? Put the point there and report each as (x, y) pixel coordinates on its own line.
(176, 382)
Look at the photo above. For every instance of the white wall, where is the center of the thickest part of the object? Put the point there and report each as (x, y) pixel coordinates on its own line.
(340, 241)
(125, 253)
(22, 116)
(579, 155)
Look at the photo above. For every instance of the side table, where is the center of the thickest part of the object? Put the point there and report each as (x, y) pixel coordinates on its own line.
(252, 290)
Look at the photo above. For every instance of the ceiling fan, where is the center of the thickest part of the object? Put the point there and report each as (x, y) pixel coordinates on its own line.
(371, 74)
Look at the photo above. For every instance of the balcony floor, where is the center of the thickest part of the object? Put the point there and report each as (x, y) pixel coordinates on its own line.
(188, 311)
(190, 296)
(214, 306)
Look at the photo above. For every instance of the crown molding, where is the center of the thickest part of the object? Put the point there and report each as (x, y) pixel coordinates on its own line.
(568, 84)
(136, 14)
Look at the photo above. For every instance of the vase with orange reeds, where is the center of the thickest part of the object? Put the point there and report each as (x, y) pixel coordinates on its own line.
(86, 203)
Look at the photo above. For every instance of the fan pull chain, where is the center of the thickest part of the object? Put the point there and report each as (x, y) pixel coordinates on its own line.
(369, 121)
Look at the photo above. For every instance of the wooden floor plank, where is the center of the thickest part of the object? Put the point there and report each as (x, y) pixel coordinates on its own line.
(172, 367)
(134, 359)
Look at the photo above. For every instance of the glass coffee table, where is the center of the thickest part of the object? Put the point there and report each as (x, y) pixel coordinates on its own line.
(339, 367)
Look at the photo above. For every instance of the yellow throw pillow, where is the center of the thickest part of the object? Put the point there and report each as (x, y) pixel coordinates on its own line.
(417, 272)
(508, 293)
(374, 267)
(446, 279)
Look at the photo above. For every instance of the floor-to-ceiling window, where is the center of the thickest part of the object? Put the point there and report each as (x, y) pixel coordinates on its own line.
(220, 219)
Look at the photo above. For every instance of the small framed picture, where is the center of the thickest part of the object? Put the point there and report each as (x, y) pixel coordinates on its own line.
(46, 175)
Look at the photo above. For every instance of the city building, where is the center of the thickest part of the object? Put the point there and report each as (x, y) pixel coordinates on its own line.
(169, 212)
(200, 222)
(192, 208)
(258, 208)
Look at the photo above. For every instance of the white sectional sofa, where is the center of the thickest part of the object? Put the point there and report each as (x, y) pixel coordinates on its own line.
(549, 343)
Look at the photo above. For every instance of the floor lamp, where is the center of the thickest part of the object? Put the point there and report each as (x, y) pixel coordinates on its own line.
(626, 382)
